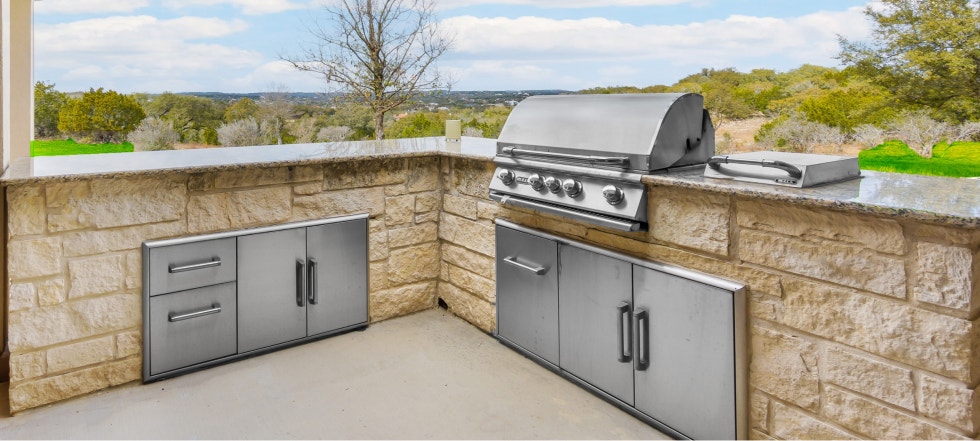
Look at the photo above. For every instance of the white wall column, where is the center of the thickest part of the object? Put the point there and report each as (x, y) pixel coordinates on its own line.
(18, 83)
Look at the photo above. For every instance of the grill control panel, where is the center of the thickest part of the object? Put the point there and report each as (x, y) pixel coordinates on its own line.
(580, 192)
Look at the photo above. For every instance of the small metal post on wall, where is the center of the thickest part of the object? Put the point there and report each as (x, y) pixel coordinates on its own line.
(454, 134)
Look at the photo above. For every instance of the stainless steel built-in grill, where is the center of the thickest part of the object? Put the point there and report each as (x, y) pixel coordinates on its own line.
(582, 156)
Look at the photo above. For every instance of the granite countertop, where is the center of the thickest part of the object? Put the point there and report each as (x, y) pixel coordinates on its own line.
(944, 201)
(110, 165)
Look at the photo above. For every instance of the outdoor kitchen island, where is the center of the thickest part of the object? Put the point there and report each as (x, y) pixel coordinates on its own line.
(863, 295)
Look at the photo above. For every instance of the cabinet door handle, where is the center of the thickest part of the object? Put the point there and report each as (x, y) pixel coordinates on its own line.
(313, 282)
(216, 261)
(642, 320)
(214, 309)
(536, 270)
(300, 281)
(625, 341)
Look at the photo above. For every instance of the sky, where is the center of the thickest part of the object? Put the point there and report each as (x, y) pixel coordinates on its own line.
(234, 46)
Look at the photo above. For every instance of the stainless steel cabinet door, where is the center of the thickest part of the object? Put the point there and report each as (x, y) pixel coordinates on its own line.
(271, 288)
(527, 292)
(594, 311)
(689, 347)
(337, 265)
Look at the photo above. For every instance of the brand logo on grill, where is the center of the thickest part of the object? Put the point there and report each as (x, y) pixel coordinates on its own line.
(523, 180)
(786, 181)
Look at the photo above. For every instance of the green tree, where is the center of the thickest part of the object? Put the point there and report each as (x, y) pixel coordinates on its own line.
(47, 104)
(418, 125)
(926, 52)
(193, 117)
(241, 109)
(852, 104)
(103, 116)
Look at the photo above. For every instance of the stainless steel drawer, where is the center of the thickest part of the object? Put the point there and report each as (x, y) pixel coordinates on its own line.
(193, 326)
(192, 265)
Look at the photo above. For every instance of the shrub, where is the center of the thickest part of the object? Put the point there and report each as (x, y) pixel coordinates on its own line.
(154, 134)
(334, 133)
(244, 132)
(795, 133)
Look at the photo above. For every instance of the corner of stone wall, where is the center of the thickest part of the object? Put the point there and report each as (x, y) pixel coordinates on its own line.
(466, 268)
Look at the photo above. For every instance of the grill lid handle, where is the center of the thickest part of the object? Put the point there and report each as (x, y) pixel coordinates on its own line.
(622, 161)
(716, 161)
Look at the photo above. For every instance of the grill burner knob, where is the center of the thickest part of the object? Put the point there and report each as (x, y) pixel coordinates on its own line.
(553, 184)
(572, 187)
(613, 194)
(536, 181)
(506, 176)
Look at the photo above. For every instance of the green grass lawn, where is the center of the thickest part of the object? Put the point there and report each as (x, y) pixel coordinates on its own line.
(958, 160)
(70, 147)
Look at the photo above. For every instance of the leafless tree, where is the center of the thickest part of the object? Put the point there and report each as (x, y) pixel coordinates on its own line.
(967, 131)
(869, 135)
(305, 130)
(380, 52)
(276, 108)
(920, 131)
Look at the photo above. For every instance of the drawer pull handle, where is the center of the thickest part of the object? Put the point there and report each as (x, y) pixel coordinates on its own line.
(536, 270)
(214, 309)
(179, 269)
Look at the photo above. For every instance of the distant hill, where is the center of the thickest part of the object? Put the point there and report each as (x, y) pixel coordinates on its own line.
(458, 98)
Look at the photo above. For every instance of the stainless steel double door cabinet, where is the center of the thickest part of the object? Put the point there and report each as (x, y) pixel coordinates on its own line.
(645, 334)
(213, 298)
(300, 282)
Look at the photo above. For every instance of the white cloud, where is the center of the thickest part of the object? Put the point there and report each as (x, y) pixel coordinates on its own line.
(139, 51)
(518, 74)
(810, 38)
(277, 72)
(248, 7)
(570, 4)
(88, 6)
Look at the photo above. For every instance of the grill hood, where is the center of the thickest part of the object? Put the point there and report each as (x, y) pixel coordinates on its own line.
(632, 132)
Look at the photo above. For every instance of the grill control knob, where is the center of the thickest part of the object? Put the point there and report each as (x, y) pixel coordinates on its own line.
(572, 187)
(506, 176)
(553, 184)
(613, 194)
(536, 181)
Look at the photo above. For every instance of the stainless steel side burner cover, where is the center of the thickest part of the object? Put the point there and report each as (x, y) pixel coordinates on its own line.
(783, 168)
(582, 156)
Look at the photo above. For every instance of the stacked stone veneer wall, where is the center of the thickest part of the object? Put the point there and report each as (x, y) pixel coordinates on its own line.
(861, 326)
(75, 263)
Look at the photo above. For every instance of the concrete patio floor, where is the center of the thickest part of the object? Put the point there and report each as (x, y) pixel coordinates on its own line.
(428, 375)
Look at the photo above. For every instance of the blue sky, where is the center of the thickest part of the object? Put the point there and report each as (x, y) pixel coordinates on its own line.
(234, 45)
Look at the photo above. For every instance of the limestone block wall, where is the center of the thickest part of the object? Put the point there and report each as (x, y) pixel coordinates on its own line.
(74, 261)
(861, 326)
